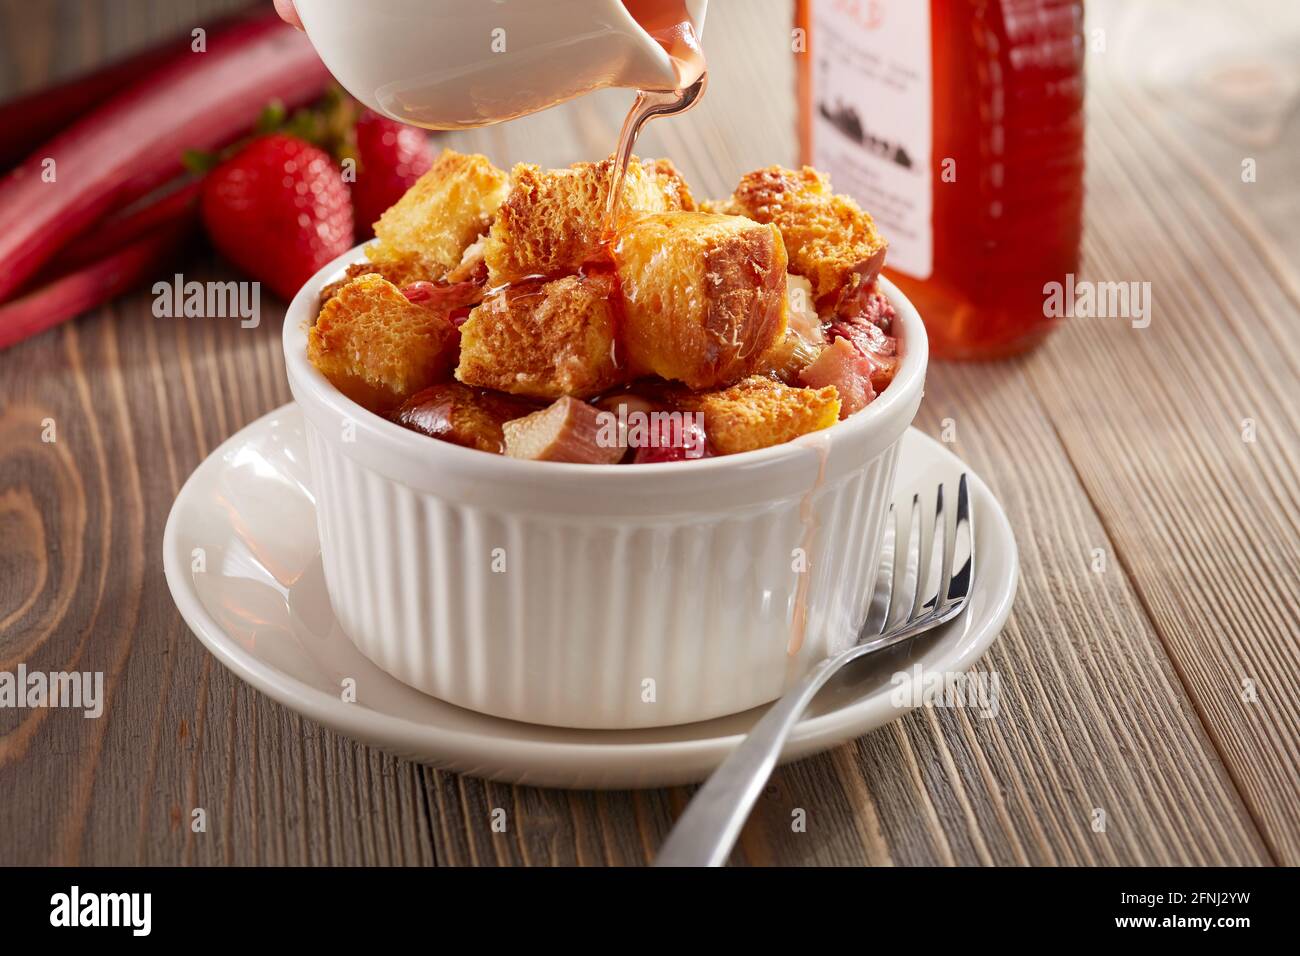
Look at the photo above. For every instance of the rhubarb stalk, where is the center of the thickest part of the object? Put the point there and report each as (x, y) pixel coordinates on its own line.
(134, 142)
(74, 293)
(175, 205)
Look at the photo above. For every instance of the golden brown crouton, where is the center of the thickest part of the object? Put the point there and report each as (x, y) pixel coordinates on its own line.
(703, 295)
(543, 339)
(676, 193)
(759, 412)
(830, 241)
(462, 415)
(377, 347)
(552, 221)
(398, 273)
(426, 232)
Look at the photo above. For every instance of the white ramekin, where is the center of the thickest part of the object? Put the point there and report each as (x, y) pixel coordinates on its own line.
(589, 595)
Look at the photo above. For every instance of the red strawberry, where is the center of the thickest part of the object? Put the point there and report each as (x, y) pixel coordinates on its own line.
(390, 158)
(278, 209)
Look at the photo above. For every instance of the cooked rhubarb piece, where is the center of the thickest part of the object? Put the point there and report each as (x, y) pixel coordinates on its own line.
(462, 415)
(544, 339)
(842, 365)
(568, 430)
(444, 296)
(627, 403)
(803, 318)
(863, 331)
(553, 219)
(828, 238)
(673, 439)
(425, 234)
(377, 346)
(804, 337)
(787, 358)
(704, 296)
(653, 430)
(868, 303)
(759, 412)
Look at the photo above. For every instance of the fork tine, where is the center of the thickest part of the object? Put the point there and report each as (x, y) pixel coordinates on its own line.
(933, 570)
(909, 588)
(963, 552)
(881, 597)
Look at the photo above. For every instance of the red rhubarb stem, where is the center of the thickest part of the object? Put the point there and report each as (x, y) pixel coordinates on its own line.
(134, 142)
(176, 204)
(87, 287)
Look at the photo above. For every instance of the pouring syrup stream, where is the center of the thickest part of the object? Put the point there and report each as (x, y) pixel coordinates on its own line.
(648, 105)
(668, 23)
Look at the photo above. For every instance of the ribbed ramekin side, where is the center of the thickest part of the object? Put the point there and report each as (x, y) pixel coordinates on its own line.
(592, 623)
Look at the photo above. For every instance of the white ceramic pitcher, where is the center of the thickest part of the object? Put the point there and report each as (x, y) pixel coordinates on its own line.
(452, 64)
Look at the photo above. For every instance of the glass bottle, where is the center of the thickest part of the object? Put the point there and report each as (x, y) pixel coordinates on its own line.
(958, 124)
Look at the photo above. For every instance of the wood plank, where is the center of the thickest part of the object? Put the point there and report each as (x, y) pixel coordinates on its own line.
(1091, 713)
(138, 402)
(1095, 668)
(1206, 524)
(1092, 717)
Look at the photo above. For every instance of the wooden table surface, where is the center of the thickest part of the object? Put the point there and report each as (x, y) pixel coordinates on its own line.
(1151, 667)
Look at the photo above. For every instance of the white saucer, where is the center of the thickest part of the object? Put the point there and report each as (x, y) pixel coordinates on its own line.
(257, 601)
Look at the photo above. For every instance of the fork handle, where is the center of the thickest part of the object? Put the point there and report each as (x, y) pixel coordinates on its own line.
(707, 830)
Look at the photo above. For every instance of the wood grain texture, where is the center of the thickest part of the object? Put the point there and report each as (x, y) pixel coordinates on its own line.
(1121, 689)
(1191, 457)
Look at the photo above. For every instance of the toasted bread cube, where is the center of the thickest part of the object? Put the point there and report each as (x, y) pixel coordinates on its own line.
(399, 274)
(552, 221)
(544, 339)
(378, 347)
(426, 232)
(568, 430)
(704, 295)
(760, 411)
(677, 195)
(456, 413)
(829, 239)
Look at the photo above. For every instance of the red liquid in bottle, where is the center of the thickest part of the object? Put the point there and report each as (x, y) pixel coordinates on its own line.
(959, 125)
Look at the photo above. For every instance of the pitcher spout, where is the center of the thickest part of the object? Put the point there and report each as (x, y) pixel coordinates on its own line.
(662, 43)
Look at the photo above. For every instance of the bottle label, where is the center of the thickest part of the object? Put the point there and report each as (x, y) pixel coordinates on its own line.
(871, 127)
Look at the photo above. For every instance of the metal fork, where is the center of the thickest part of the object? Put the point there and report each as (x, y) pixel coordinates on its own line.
(707, 830)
